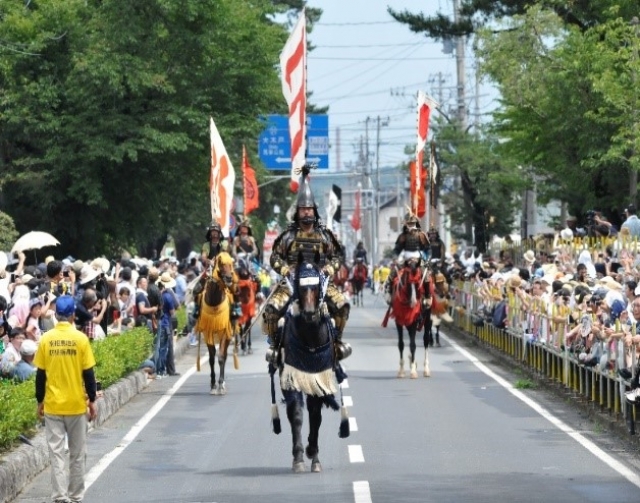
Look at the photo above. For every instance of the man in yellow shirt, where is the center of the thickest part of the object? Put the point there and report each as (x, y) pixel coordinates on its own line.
(65, 372)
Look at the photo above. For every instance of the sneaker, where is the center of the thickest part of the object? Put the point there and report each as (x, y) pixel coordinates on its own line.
(632, 396)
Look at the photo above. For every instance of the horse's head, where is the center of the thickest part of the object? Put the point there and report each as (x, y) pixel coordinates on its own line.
(408, 283)
(310, 286)
(242, 269)
(224, 267)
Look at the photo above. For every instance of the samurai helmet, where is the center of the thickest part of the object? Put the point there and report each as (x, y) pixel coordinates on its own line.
(433, 231)
(245, 223)
(214, 226)
(411, 221)
(305, 196)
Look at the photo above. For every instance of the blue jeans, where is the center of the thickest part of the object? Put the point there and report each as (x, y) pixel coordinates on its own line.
(162, 348)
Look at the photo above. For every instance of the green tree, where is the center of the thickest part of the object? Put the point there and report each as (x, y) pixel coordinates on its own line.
(105, 106)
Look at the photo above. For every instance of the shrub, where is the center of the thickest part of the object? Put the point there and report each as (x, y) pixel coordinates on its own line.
(118, 356)
(181, 315)
(18, 410)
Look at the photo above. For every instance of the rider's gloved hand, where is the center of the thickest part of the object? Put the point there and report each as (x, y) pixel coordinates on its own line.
(328, 270)
(284, 271)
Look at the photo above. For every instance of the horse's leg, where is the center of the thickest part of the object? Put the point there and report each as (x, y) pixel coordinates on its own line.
(401, 349)
(412, 348)
(295, 416)
(222, 360)
(212, 364)
(427, 339)
(243, 341)
(314, 406)
(438, 336)
(247, 333)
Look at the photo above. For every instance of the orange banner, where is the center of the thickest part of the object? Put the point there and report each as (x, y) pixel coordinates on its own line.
(418, 189)
(251, 192)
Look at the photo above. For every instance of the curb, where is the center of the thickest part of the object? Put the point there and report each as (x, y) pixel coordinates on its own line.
(24, 463)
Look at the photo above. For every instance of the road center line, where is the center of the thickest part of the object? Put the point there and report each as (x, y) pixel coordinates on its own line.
(353, 425)
(355, 454)
(348, 401)
(578, 437)
(135, 430)
(361, 491)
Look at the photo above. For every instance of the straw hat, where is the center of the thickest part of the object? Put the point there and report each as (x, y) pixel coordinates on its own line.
(166, 280)
(101, 264)
(611, 283)
(88, 274)
(529, 256)
(514, 281)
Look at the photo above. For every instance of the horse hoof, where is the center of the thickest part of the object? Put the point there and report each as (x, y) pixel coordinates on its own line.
(222, 389)
(400, 374)
(427, 373)
(316, 467)
(214, 390)
(298, 467)
(250, 351)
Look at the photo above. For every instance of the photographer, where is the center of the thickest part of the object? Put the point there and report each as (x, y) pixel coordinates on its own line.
(90, 313)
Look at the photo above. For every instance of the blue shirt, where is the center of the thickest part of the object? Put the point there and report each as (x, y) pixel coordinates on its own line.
(633, 224)
(23, 370)
(168, 305)
(181, 288)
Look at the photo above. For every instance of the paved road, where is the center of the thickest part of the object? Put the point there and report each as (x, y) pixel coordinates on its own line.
(462, 435)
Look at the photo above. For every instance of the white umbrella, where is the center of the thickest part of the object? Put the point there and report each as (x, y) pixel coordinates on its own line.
(34, 240)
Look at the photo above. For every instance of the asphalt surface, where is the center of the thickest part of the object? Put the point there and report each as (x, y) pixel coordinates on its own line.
(457, 436)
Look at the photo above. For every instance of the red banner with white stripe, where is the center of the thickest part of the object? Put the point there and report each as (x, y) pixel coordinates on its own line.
(418, 170)
(221, 180)
(293, 65)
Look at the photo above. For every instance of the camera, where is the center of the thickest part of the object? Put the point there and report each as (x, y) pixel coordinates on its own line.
(65, 273)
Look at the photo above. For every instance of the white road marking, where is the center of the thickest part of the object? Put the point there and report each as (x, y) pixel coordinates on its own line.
(135, 430)
(578, 437)
(353, 425)
(361, 491)
(345, 384)
(348, 401)
(355, 454)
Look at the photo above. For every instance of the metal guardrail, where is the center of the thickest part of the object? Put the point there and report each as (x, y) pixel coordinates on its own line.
(548, 359)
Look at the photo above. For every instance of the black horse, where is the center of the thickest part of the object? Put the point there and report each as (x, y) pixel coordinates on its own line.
(309, 368)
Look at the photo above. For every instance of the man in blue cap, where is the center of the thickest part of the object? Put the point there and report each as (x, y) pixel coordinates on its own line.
(65, 373)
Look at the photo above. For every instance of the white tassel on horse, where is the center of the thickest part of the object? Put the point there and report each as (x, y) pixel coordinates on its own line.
(316, 384)
(414, 296)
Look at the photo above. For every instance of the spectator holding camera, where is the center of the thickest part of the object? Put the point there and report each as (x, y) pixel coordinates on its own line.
(89, 314)
(61, 280)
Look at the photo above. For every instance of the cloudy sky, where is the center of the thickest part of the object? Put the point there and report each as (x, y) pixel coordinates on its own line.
(367, 65)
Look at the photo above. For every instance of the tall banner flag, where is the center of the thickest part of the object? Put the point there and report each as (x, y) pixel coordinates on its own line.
(336, 193)
(355, 218)
(251, 192)
(435, 176)
(293, 66)
(221, 181)
(333, 207)
(418, 171)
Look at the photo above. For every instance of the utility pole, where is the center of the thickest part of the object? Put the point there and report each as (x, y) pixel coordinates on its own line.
(338, 163)
(460, 43)
(376, 194)
(633, 173)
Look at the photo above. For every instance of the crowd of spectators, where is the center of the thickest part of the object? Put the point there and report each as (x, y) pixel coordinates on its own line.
(579, 294)
(110, 297)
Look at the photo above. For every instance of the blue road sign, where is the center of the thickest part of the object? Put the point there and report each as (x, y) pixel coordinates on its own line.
(274, 147)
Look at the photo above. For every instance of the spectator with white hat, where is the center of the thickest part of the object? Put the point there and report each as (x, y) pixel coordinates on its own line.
(24, 369)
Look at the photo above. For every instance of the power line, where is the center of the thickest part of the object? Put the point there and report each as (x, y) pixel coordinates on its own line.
(425, 58)
(365, 46)
(382, 91)
(358, 23)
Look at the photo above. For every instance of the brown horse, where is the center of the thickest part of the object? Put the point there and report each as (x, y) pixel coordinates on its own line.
(214, 321)
(340, 277)
(406, 305)
(247, 289)
(359, 275)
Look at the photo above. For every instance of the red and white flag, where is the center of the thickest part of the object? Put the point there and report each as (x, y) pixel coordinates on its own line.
(221, 181)
(293, 65)
(419, 175)
(355, 218)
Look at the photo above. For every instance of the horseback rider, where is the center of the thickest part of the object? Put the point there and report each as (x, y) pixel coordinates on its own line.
(360, 253)
(306, 235)
(437, 247)
(216, 242)
(244, 243)
(411, 249)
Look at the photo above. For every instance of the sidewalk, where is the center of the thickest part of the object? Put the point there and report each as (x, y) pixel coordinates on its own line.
(19, 466)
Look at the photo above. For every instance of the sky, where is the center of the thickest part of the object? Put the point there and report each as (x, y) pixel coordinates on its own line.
(365, 64)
